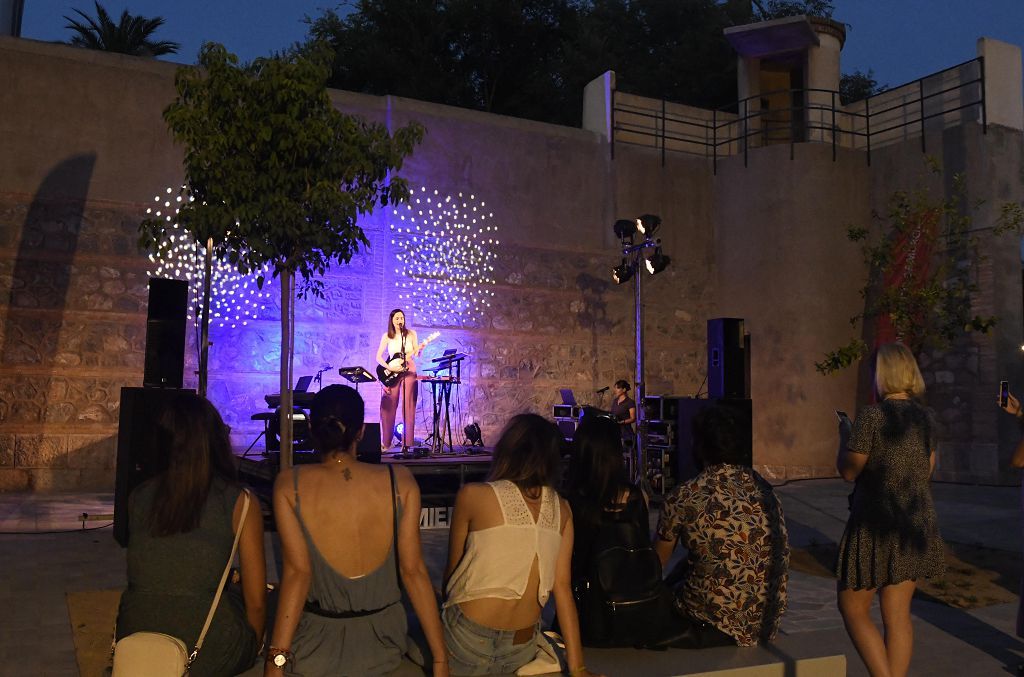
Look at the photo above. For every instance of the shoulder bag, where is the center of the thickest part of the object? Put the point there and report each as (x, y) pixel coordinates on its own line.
(154, 654)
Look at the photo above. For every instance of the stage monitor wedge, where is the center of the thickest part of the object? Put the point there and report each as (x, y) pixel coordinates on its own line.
(165, 333)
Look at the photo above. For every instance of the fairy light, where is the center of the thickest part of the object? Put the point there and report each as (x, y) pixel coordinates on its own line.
(445, 256)
(234, 298)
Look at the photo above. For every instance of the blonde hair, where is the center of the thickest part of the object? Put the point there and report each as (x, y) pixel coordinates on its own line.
(896, 371)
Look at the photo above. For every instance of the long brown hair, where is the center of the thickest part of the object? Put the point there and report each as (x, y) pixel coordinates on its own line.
(529, 453)
(597, 473)
(193, 440)
(391, 322)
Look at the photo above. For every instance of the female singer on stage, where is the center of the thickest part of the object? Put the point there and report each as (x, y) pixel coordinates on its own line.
(623, 409)
(398, 340)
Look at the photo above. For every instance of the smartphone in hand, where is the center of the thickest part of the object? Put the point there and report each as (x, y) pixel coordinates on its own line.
(1004, 393)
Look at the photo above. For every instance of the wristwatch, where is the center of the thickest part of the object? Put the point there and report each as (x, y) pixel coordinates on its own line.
(278, 657)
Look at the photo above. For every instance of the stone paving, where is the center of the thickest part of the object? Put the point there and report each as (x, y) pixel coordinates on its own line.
(38, 568)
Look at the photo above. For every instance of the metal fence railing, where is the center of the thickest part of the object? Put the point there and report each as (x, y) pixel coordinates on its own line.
(944, 99)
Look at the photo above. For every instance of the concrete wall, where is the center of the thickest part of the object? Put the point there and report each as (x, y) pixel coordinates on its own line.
(785, 265)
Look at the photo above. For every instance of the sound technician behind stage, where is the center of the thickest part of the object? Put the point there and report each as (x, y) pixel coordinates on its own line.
(623, 409)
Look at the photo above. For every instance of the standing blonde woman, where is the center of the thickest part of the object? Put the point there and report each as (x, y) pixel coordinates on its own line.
(892, 537)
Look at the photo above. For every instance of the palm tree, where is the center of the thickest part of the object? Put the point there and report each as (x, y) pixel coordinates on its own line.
(131, 35)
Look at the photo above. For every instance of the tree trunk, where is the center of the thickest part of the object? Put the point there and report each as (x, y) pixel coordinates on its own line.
(204, 322)
(287, 329)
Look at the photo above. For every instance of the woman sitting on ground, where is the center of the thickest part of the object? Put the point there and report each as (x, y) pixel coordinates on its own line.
(182, 527)
(510, 547)
(341, 609)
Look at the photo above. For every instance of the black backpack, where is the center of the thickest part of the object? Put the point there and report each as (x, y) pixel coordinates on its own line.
(621, 598)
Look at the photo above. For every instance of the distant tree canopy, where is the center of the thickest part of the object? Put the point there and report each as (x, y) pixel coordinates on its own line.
(532, 58)
(765, 10)
(857, 85)
(130, 35)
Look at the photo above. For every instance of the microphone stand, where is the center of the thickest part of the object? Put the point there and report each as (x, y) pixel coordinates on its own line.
(319, 378)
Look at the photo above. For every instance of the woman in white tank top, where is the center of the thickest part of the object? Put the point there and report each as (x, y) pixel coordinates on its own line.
(510, 547)
(401, 341)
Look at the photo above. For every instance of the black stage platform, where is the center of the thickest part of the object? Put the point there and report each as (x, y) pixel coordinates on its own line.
(439, 477)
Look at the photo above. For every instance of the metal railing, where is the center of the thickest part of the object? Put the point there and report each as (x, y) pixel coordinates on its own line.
(943, 99)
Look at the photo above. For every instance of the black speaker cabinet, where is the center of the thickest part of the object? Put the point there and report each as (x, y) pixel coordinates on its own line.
(368, 449)
(687, 465)
(165, 333)
(728, 359)
(137, 459)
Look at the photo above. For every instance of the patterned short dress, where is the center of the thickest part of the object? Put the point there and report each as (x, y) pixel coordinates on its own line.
(892, 534)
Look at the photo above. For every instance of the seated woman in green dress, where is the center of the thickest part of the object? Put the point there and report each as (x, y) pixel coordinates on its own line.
(182, 527)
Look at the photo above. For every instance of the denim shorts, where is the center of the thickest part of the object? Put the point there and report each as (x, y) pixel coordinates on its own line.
(475, 649)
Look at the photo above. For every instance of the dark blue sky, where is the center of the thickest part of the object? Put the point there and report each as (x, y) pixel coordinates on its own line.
(901, 40)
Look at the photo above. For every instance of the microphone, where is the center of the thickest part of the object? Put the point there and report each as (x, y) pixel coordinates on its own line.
(326, 367)
(602, 390)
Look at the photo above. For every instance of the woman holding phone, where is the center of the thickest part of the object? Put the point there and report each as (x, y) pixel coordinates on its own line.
(892, 537)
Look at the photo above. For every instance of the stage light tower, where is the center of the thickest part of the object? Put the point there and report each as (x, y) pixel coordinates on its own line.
(634, 262)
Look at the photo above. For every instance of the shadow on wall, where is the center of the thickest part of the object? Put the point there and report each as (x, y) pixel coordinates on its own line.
(593, 314)
(40, 279)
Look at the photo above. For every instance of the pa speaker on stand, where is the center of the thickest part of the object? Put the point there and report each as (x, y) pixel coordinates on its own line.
(728, 359)
(138, 458)
(165, 333)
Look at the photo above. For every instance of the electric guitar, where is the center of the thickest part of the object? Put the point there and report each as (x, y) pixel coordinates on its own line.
(397, 364)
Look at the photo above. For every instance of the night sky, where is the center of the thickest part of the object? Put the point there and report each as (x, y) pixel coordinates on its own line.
(900, 40)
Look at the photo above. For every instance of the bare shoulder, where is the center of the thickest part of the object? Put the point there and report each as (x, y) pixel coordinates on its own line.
(474, 493)
(403, 477)
(285, 480)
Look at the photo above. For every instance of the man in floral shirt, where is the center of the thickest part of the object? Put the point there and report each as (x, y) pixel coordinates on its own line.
(730, 522)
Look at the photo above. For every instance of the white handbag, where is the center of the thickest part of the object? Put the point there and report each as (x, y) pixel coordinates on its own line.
(154, 654)
(550, 655)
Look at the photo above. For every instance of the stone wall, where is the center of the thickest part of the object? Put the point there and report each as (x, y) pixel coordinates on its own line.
(765, 242)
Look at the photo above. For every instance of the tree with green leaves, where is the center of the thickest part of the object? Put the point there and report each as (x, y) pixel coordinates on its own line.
(278, 175)
(922, 261)
(765, 10)
(130, 35)
(532, 58)
(857, 85)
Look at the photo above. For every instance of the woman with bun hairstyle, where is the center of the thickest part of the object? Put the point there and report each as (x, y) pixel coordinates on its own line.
(340, 611)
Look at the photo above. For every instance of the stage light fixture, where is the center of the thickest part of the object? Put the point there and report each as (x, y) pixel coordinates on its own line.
(658, 262)
(648, 224)
(623, 272)
(474, 435)
(624, 228)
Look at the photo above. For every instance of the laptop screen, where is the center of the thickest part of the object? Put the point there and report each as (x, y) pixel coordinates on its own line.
(303, 384)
